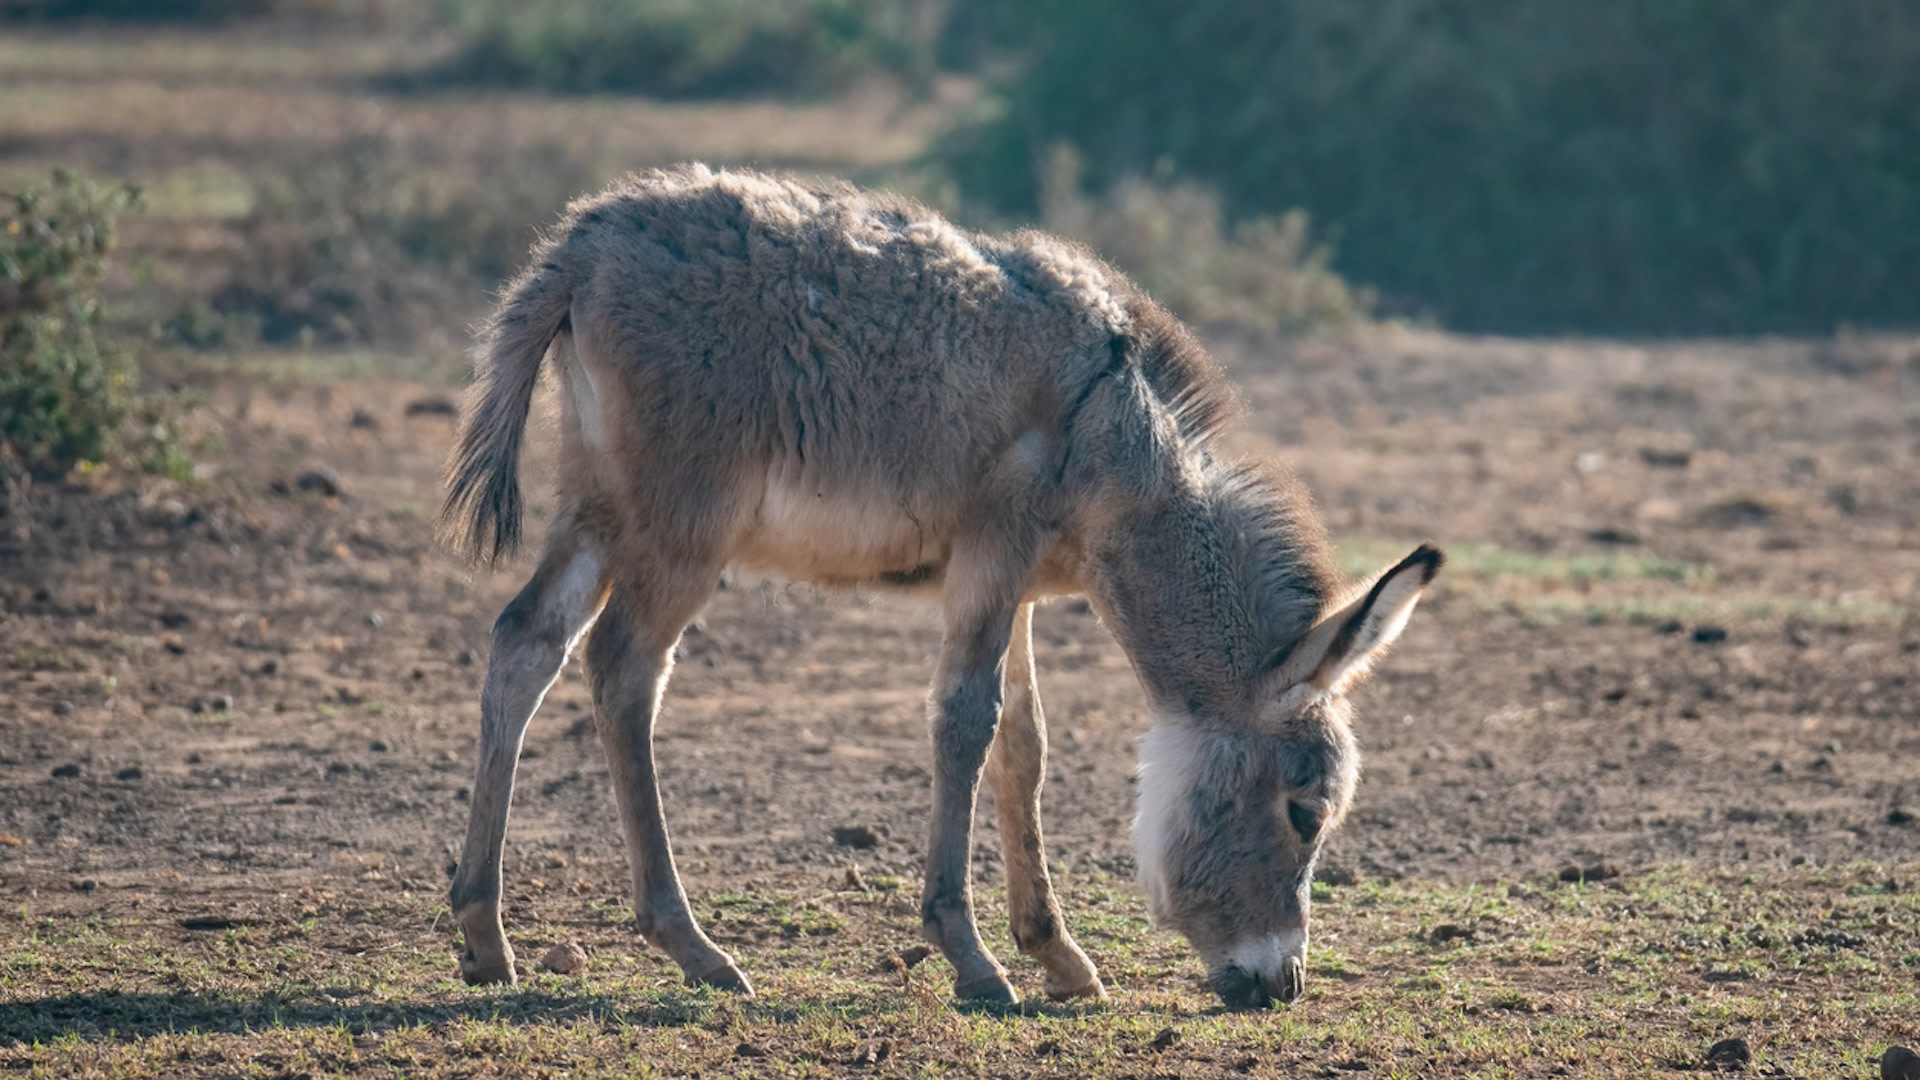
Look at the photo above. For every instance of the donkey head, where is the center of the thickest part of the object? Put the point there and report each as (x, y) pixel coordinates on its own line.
(1232, 815)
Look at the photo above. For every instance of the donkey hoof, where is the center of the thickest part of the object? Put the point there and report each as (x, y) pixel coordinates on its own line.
(490, 973)
(987, 990)
(725, 977)
(1091, 991)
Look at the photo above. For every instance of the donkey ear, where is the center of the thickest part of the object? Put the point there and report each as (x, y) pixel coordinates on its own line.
(1343, 645)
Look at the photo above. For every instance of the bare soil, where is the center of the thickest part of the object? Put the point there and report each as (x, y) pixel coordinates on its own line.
(1682, 630)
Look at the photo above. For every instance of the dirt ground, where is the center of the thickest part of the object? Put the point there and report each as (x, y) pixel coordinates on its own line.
(1679, 627)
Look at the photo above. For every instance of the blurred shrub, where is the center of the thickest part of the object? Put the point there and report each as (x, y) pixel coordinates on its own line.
(1637, 166)
(67, 394)
(375, 242)
(692, 48)
(1263, 274)
(149, 10)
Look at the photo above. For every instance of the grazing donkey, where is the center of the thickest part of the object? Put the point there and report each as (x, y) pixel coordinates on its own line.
(843, 388)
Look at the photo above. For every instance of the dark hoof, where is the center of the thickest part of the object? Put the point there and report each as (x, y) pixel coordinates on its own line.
(992, 990)
(496, 973)
(1093, 991)
(725, 977)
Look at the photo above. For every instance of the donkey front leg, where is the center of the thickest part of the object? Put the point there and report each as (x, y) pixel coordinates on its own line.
(531, 640)
(985, 580)
(1017, 769)
(629, 657)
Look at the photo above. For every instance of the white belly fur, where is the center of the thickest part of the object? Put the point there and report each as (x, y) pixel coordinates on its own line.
(830, 537)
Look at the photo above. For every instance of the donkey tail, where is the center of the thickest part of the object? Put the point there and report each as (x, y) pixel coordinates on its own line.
(481, 517)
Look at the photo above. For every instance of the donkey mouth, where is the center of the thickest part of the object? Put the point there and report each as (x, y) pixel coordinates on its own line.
(1242, 989)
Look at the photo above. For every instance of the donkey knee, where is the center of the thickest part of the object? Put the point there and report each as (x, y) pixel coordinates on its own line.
(965, 721)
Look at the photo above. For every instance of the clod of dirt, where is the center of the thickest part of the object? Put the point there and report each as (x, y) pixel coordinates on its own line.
(1729, 1054)
(66, 772)
(1600, 871)
(1709, 635)
(131, 772)
(63, 708)
(565, 959)
(432, 406)
(1049, 1048)
(1899, 1063)
(1666, 459)
(1446, 932)
(1166, 1040)
(210, 923)
(858, 837)
(378, 746)
(872, 1053)
(465, 659)
(854, 882)
(750, 1050)
(175, 620)
(1616, 536)
(1900, 815)
(911, 956)
(363, 419)
(220, 702)
(1669, 628)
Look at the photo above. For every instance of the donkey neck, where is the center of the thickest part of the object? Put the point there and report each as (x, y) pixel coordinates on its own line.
(1203, 584)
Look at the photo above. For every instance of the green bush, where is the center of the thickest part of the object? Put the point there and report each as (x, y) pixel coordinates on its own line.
(1634, 166)
(137, 10)
(66, 393)
(691, 48)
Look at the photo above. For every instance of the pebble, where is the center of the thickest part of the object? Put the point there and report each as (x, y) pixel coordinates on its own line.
(565, 959)
(66, 772)
(1729, 1053)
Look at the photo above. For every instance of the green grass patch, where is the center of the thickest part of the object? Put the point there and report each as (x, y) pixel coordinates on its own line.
(1813, 967)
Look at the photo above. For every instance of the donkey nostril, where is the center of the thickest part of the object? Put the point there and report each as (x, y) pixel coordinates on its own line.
(1241, 989)
(1291, 981)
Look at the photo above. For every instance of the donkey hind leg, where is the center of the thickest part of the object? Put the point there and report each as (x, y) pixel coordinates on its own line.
(531, 640)
(629, 656)
(1017, 768)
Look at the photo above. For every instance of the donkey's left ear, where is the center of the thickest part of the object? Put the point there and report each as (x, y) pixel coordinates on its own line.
(1344, 644)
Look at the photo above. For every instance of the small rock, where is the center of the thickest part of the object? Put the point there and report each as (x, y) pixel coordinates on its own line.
(1446, 932)
(565, 959)
(858, 837)
(1666, 459)
(66, 772)
(1899, 1063)
(1729, 1054)
(872, 1053)
(270, 667)
(131, 772)
(1709, 635)
(912, 956)
(220, 702)
(854, 882)
(1049, 1048)
(1165, 1040)
(378, 746)
(63, 708)
(175, 620)
(1600, 871)
(320, 481)
(376, 620)
(86, 885)
(1669, 628)
(750, 1050)
(363, 420)
(465, 659)
(433, 406)
(1899, 815)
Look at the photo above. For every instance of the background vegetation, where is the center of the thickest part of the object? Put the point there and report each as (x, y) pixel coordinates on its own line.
(1634, 167)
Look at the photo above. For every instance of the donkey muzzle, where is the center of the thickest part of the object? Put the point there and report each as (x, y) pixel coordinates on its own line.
(1242, 989)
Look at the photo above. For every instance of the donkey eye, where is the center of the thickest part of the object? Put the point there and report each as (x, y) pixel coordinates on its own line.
(1305, 822)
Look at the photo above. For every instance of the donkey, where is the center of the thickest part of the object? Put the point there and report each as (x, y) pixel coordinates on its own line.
(843, 388)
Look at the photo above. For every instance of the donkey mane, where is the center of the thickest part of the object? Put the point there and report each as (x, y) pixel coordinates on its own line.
(1186, 379)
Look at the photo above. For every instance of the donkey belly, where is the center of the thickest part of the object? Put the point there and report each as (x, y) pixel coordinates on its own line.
(843, 538)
